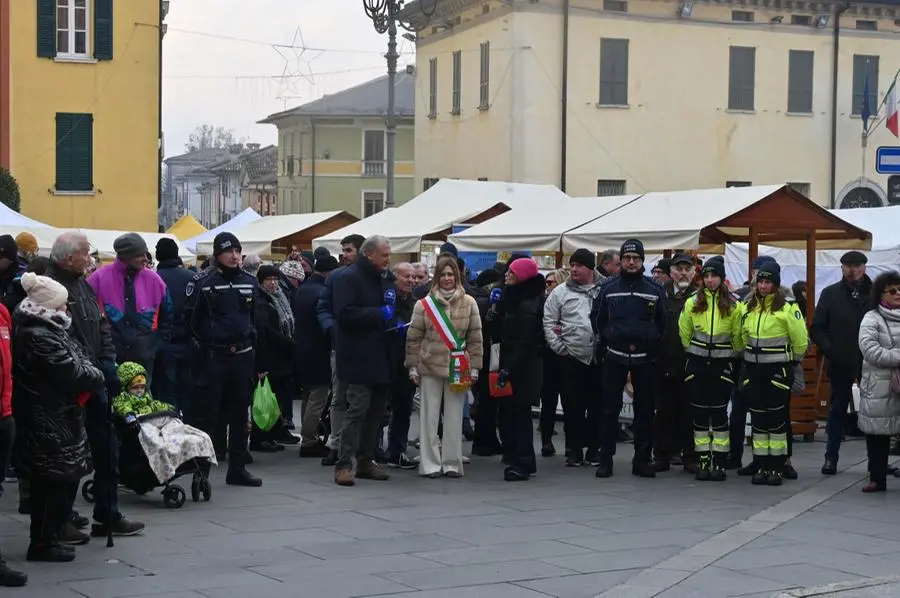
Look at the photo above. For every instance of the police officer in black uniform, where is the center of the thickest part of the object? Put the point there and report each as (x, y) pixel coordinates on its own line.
(218, 314)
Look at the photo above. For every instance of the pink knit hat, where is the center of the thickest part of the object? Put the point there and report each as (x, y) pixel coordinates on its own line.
(524, 268)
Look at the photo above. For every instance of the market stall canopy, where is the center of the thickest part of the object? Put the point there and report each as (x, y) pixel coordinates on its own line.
(278, 234)
(707, 219)
(10, 218)
(186, 227)
(102, 242)
(245, 217)
(536, 230)
(432, 214)
(881, 222)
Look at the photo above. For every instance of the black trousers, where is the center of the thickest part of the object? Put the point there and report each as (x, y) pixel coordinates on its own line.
(709, 384)
(105, 455)
(7, 441)
(551, 390)
(224, 385)
(767, 387)
(878, 449)
(644, 381)
(516, 429)
(582, 404)
(51, 504)
(672, 423)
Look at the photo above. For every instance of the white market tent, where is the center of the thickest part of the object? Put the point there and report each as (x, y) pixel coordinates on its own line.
(245, 217)
(446, 203)
(102, 242)
(884, 256)
(257, 236)
(537, 230)
(707, 219)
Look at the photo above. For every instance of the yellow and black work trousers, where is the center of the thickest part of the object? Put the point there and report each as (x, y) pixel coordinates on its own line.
(767, 388)
(709, 383)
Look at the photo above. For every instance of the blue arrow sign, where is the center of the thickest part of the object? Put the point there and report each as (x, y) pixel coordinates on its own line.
(887, 160)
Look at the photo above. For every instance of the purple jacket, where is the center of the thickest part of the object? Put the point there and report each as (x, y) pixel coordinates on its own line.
(139, 309)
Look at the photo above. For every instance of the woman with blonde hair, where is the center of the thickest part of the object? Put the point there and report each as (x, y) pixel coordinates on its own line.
(443, 355)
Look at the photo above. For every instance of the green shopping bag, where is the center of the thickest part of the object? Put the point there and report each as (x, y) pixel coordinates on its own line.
(265, 411)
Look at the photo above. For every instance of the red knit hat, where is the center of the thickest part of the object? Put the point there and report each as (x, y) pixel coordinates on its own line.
(524, 268)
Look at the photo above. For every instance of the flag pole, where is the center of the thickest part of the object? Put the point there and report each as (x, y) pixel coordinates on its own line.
(883, 102)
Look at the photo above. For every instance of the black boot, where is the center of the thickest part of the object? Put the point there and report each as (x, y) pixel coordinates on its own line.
(717, 472)
(50, 553)
(547, 448)
(703, 469)
(605, 469)
(761, 477)
(10, 578)
(642, 469)
(330, 459)
(776, 471)
(238, 476)
(750, 469)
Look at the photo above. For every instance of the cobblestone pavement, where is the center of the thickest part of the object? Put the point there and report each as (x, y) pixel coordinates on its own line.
(564, 533)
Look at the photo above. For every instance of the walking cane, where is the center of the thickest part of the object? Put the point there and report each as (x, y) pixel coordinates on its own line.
(112, 469)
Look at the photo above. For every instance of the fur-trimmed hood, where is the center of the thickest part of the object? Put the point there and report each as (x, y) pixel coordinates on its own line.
(52, 317)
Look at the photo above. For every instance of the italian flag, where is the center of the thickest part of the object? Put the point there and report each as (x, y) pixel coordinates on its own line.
(891, 120)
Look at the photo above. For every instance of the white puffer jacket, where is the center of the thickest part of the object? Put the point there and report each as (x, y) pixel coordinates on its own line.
(569, 308)
(879, 342)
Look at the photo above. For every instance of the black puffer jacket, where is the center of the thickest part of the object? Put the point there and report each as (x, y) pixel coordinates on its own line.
(521, 335)
(672, 354)
(835, 325)
(274, 348)
(89, 324)
(50, 370)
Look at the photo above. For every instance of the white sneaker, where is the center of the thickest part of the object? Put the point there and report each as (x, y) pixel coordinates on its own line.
(466, 460)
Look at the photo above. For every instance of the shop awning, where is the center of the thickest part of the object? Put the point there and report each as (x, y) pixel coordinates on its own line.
(278, 234)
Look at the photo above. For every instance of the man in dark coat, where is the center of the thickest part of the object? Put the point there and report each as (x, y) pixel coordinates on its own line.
(364, 302)
(173, 373)
(402, 388)
(312, 355)
(325, 313)
(835, 330)
(672, 426)
(69, 260)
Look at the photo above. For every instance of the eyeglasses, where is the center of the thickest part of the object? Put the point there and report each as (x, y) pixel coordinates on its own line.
(892, 291)
(631, 258)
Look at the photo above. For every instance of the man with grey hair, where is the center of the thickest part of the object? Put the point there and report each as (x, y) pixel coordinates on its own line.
(420, 274)
(364, 302)
(251, 264)
(402, 388)
(609, 264)
(69, 260)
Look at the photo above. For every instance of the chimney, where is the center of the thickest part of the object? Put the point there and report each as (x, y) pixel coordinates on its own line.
(235, 148)
(253, 147)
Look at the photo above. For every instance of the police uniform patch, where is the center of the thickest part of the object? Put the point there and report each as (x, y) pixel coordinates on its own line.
(189, 289)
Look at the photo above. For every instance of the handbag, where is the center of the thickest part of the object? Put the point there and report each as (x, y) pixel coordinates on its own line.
(496, 391)
(495, 358)
(895, 372)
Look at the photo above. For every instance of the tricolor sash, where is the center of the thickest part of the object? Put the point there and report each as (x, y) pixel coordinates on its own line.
(460, 370)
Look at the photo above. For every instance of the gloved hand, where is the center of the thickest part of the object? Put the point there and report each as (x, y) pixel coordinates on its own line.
(496, 296)
(132, 422)
(502, 378)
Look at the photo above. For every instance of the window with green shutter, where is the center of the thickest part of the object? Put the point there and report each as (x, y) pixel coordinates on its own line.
(103, 29)
(74, 152)
(46, 28)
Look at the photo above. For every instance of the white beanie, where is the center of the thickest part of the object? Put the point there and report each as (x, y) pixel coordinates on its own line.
(293, 269)
(45, 291)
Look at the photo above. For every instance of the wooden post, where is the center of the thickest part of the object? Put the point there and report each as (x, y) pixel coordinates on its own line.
(559, 259)
(810, 275)
(754, 251)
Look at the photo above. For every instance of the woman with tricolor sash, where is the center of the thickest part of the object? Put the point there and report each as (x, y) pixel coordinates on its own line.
(443, 355)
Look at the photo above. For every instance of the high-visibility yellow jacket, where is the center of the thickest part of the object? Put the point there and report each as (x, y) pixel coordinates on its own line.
(774, 337)
(710, 334)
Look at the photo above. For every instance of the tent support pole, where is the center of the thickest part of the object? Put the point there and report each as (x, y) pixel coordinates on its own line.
(754, 251)
(559, 259)
(810, 276)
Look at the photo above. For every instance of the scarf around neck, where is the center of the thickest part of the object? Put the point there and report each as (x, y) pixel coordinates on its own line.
(285, 315)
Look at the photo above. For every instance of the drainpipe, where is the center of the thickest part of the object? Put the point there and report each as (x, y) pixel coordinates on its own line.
(834, 97)
(313, 202)
(563, 121)
(159, 122)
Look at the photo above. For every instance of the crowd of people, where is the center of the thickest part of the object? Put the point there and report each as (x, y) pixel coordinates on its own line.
(363, 341)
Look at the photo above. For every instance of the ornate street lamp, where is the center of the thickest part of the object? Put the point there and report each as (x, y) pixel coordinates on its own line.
(387, 16)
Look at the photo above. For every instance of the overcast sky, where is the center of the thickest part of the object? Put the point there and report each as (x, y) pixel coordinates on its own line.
(209, 78)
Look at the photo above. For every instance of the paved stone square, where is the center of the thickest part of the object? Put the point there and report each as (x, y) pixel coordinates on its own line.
(564, 533)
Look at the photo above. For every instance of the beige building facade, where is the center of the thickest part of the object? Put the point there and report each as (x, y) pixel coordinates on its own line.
(660, 95)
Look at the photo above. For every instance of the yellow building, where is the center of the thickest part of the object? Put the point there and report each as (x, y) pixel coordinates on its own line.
(660, 94)
(82, 109)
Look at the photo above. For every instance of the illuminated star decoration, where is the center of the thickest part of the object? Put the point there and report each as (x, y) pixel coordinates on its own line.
(296, 67)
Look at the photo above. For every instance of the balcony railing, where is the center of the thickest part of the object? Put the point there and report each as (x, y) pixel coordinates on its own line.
(373, 168)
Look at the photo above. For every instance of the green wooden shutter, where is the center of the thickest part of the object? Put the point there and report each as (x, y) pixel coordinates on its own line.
(64, 152)
(46, 28)
(103, 29)
(74, 152)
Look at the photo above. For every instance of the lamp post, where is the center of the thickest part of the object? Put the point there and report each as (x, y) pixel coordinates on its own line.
(387, 16)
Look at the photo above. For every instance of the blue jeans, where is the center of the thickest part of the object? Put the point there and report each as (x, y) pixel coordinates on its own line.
(172, 376)
(841, 395)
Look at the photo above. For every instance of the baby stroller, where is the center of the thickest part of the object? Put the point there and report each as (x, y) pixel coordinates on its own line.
(136, 475)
